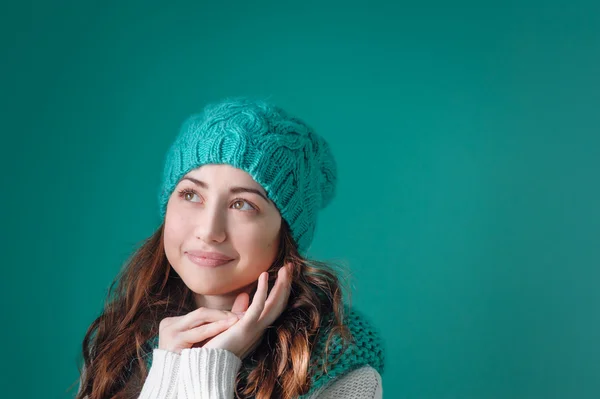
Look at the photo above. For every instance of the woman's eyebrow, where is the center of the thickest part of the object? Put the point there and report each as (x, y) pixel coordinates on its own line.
(233, 190)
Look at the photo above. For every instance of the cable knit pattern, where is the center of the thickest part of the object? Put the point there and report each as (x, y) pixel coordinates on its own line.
(282, 153)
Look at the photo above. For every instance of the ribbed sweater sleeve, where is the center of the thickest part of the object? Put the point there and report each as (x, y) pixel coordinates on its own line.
(208, 373)
(162, 379)
(198, 373)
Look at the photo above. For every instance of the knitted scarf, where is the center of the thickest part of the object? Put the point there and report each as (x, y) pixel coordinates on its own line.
(366, 348)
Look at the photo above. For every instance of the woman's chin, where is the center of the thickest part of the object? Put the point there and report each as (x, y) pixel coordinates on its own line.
(212, 289)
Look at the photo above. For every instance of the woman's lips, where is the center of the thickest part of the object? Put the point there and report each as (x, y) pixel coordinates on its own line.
(207, 262)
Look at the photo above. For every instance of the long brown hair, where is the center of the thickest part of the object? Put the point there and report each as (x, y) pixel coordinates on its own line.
(148, 289)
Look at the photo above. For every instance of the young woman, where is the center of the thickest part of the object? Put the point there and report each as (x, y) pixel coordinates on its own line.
(221, 300)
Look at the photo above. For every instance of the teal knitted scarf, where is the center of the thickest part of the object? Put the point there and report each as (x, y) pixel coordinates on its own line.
(366, 348)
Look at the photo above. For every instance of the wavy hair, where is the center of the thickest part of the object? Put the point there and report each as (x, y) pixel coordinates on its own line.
(148, 289)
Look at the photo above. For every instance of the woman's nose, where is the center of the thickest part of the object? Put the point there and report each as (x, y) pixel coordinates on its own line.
(211, 225)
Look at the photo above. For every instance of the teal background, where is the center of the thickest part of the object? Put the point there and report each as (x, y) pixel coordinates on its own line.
(466, 135)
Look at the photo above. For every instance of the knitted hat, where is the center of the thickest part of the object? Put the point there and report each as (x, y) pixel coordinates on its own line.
(283, 154)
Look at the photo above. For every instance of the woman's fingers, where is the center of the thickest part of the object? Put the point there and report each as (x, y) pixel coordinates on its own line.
(258, 301)
(241, 303)
(209, 330)
(201, 316)
(278, 297)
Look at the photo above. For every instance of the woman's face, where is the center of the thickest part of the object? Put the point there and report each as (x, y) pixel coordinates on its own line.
(212, 210)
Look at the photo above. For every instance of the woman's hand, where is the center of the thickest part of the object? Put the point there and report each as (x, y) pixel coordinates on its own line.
(242, 337)
(182, 332)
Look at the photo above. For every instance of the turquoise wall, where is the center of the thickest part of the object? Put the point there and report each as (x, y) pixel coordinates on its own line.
(466, 135)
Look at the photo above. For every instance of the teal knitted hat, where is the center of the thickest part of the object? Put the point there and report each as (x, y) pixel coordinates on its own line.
(282, 153)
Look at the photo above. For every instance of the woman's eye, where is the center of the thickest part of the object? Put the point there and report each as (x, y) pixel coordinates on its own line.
(243, 202)
(187, 195)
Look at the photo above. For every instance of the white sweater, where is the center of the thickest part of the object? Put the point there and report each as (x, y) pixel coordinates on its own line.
(209, 373)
